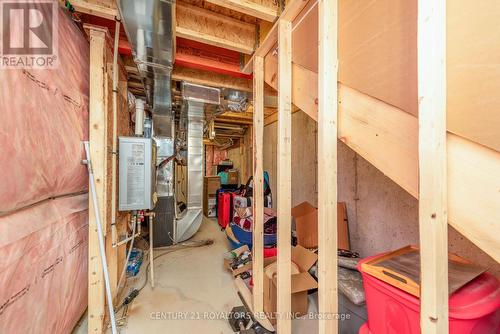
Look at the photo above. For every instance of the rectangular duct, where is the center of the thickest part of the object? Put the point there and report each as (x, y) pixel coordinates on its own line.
(148, 24)
(198, 93)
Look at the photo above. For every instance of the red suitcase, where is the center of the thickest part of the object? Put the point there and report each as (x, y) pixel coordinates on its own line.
(224, 209)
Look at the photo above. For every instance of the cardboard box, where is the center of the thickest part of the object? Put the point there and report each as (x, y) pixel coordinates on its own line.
(305, 216)
(210, 186)
(233, 176)
(211, 207)
(246, 267)
(302, 281)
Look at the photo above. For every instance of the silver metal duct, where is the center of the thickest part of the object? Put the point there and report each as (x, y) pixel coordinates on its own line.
(190, 222)
(148, 24)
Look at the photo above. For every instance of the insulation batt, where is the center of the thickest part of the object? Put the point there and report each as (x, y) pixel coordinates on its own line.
(44, 118)
(43, 267)
(43, 199)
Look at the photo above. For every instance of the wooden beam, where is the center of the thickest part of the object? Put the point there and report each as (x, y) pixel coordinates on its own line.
(212, 79)
(97, 138)
(258, 186)
(106, 12)
(433, 218)
(233, 121)
(273, 118)
(327, 166)
(293, 9)
(249, 7)
(284, 176)
(204, 26)
(304, 94)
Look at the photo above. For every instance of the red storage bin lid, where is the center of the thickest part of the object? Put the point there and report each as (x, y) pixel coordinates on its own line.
(477, 298)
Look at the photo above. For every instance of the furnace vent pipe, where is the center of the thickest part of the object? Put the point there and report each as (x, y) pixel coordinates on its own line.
(139, 117)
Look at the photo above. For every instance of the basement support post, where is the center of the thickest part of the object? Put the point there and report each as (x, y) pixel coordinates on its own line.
(97, 138)
(432, 165)
(327, 166)
(284, 175)
(258, 186)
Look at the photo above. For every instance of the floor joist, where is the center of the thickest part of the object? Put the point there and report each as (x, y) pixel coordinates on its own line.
(211, 28)
(249, 7)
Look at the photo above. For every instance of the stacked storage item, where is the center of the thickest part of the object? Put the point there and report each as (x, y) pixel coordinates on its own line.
(473, 308)
(242, 227)
(236, 217)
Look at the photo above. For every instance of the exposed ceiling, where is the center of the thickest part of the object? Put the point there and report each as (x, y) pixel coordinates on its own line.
(212, 41)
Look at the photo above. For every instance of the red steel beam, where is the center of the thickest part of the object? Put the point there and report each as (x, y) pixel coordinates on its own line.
(206, 57)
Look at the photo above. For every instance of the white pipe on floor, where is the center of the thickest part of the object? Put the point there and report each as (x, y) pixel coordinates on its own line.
(102, 249)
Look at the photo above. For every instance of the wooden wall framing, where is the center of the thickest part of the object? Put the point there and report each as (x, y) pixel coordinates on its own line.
(284, 196)
(100, 137)
(97, 138)
(327, 166)
(381, 132)
(258, 186)
(433, 205)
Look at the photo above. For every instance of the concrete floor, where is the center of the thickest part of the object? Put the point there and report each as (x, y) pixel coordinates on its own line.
(193, 292)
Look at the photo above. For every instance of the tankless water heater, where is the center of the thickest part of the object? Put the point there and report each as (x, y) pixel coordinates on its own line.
(137, 159)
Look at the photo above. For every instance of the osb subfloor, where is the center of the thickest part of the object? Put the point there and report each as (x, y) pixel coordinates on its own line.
(193, 292)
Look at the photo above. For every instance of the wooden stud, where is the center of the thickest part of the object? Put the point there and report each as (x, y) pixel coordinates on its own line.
(258, 186)
(249, 7)
(327, 167)
(284, 175)
(433, 217)
(97, 138)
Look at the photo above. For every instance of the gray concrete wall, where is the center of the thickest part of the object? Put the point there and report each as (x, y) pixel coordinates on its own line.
(387, 218)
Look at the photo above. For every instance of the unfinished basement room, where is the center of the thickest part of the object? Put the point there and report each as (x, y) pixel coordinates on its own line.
(250, 166)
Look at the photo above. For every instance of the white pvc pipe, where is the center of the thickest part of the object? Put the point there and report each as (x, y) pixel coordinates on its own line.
(139, 117)
(114, 234)
(102, 249)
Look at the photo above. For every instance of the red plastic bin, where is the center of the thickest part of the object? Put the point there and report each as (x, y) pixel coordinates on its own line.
(473, 309)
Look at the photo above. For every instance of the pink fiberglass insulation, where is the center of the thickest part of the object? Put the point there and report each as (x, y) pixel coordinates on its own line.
(44, 118)
(44, 241)
(43, 266)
